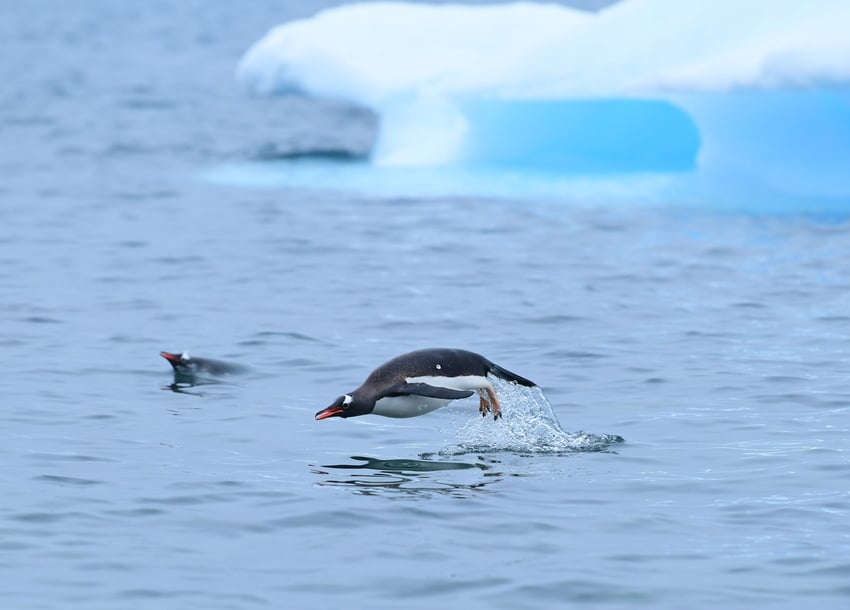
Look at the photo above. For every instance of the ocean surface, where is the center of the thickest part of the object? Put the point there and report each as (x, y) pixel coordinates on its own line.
(689, 446)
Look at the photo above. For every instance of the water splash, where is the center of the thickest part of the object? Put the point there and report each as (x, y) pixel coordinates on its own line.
(528, 425)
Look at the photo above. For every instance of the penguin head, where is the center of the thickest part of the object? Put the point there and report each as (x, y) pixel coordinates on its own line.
(346, 405)
(180, 362)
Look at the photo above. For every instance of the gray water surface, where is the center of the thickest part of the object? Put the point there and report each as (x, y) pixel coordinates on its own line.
(714, 344)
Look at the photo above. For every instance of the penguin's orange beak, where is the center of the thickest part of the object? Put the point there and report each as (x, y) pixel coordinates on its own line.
(331, 411)
(170, 357)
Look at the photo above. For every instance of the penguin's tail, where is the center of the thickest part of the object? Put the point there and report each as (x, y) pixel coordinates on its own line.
(507, 375)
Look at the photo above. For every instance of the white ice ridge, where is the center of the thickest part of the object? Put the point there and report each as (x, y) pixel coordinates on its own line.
(510, 84)
(371, 53)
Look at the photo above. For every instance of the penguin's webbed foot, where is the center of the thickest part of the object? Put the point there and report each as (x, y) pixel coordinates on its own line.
(484, 407)
(490, 403)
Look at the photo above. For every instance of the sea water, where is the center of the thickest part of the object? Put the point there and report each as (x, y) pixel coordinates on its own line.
(687, 445)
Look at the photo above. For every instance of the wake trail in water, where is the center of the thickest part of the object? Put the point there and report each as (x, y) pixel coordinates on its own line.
(528, 425)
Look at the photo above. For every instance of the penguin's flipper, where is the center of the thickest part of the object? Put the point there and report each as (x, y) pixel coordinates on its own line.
(431, 391)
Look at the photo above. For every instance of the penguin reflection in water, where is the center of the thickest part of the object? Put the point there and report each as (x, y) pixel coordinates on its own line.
(422, 381)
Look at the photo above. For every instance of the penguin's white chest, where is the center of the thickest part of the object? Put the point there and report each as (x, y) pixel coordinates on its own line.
(407, 406)
(412, 405)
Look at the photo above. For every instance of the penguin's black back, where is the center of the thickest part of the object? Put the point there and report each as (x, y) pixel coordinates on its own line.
(438, 362)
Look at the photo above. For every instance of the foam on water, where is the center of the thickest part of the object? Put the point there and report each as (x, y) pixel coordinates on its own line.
(528, 425)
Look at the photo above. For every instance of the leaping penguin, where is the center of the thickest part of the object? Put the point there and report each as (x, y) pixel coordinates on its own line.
(422, 381)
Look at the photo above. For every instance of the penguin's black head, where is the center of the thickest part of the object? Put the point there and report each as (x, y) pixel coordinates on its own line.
(345, 406)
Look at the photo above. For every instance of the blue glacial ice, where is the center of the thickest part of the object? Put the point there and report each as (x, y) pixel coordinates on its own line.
(751, 97)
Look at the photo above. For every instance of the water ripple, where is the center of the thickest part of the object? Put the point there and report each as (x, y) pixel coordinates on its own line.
(60, 480)
(411, 476)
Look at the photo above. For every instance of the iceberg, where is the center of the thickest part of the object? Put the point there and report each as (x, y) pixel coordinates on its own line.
(754, 93)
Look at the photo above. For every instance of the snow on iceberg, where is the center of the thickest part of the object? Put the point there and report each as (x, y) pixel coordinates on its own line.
(755, 91)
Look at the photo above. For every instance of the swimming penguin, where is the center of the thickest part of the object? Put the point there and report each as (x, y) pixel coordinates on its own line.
(420, 382)
(186, 366)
